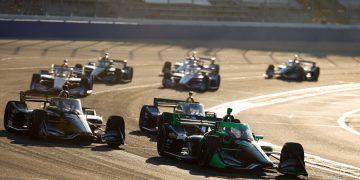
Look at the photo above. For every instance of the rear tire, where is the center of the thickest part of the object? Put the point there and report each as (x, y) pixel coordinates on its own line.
(116, 123)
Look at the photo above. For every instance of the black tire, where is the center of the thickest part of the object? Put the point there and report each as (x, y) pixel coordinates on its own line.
(142, 120)
(292, 150)
(116, 123)
(270, 71)
(35, 79)
(166, 118)
(166, 67)
(38, 117)
(216, 69)
(161, 140)
(302, 75)
(167, 75)
(129, 73)
(18, 119)
(206, 81)
(7, 114)
(203, 154)
(118, 76)
(218, 83)
(315, 75)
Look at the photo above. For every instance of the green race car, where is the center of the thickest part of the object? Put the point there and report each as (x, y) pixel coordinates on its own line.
(223, 143)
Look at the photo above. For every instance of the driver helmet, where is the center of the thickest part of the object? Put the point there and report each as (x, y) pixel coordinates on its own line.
(106, 56)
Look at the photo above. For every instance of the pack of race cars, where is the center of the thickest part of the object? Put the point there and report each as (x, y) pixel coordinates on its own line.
(185, 132)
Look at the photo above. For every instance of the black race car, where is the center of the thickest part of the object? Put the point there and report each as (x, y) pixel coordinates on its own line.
(223, 143)
(294, 69)
(52, 81)
(150, 114)
(194, 73)
(110, 70)
(62, 118)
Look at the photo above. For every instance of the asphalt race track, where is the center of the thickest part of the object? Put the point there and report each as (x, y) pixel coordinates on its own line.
(282, 111)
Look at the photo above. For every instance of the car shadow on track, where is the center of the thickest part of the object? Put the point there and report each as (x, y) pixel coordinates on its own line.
(152, 136)
(196, 170)
(24, 140)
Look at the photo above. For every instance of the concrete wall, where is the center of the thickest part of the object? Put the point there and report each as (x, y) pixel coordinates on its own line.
(65, 30)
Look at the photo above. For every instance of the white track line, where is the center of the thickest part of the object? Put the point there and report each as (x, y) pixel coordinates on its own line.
(342, 119)
(271, 99)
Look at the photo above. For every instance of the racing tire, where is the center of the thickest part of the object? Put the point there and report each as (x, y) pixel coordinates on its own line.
(216, 69)
(218, 81)
(166, 118)
(315, 75)
(116, 123)
(118, 76)
(161, 140)
(292, 150)
(142, 120)
(206, 81)
(35, 79)
(302, 74)
(38, 117)
(7, 114)
(19, 120)
(270, 71)
(131, 74)
(203, 154)
(166, 67)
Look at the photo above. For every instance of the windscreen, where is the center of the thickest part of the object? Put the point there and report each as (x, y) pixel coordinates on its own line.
(62, 72)
(67, 104)
(193, 109)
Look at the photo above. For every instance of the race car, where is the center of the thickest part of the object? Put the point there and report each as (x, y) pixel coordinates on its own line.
(224, 143)
(295, 69)
(53, 81)
(194, 73)
(110, 70)
(150, 114)
(62, 118)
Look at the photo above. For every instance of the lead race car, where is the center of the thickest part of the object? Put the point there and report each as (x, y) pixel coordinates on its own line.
(223, 143)
(295, 69)
(110, 70)
(194, 73)
(62, 118)
(53, 81)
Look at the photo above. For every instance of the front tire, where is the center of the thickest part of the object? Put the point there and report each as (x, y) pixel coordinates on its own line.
(270, 71)
(116, 123)
(203, 154)
(292, 150)
(38, 117)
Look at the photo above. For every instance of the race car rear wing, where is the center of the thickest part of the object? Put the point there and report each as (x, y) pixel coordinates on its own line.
(160, 102)
(116, 61)
(307, 62)
(33, 96)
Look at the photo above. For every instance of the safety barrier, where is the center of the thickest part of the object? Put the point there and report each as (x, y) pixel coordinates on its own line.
(112, 31)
